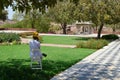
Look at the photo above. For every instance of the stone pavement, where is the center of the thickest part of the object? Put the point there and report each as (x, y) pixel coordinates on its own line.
(103, 64)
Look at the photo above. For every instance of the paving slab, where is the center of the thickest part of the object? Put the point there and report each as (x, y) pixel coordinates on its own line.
(103, 64)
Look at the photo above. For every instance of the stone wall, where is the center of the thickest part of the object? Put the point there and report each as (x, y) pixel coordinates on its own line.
(21, 29)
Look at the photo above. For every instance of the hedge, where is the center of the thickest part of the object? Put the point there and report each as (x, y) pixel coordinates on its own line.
(9, 37)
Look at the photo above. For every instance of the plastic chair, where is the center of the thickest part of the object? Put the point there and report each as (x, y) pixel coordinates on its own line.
(36, 61)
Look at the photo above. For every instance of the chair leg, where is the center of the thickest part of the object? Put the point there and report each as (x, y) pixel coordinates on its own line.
(36, 66)
(40, 64)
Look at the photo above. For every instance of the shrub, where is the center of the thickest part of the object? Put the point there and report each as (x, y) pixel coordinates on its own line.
(25, 34)
(110, 37)
(92, 44)
(18, 24)
(15, 42)
(9, 37)
(42, 24)
(54, 28)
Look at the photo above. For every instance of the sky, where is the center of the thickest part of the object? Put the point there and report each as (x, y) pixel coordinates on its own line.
(10, 13)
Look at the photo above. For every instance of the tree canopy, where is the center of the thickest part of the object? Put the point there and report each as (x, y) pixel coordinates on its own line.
(62, 13)
(3, 15)
(99, 12)
(26, 5)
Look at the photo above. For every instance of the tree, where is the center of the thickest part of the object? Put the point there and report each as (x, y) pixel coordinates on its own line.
(42, 24)
(26, 5)
(114, 27)
(17, 16)
(3, 15)
(33, 15)
(100, 12)
(62, 13)
(36, 20)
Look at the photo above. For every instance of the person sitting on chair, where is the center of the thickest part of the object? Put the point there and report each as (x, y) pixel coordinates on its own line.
(35, 45)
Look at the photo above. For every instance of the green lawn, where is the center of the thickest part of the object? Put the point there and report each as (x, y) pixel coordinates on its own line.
(15, 62)
(71, 40)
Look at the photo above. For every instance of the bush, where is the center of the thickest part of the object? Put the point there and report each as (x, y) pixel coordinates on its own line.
(54, 28)
(110, 37)
(43, 24)
(18, 24)
(9, 37)
(25, 34)
(92, 44)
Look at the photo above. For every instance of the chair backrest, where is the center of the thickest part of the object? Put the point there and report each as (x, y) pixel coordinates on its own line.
(35, 54)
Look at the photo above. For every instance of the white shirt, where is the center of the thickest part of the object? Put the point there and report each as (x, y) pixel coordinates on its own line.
(35, 45)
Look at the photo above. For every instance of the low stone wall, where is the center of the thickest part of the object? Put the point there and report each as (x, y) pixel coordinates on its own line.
(21, 29)
(108, 32)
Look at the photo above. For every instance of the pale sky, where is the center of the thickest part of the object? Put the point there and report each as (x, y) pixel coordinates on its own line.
(10, 13)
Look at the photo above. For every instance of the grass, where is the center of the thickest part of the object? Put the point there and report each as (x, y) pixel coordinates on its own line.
(15, 62)
(71, 40)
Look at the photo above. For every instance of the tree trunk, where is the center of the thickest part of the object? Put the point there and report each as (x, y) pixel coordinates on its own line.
(64, 25)
(33, 20)
(114, 29)
(32, 24)
(100, 30)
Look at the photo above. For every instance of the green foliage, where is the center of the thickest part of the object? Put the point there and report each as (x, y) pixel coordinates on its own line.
(25, 34)
(15, 42)
(29, 34)
(62, 13)
(26, 5)
(34, 19)
(17, 16)
(9, 37)
(31, 18)
(6, 25)
(42, 24)
(110, 37)
(54, 28)
(3, 15)
(99, 12)
(19, 24)
(92, 44)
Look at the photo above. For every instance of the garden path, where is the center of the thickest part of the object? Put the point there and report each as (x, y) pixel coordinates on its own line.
(103, 64)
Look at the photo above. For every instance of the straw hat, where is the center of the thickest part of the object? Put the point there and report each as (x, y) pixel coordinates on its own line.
(35, 34)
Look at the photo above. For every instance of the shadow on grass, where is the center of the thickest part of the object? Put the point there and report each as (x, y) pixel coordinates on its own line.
(19, 69)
